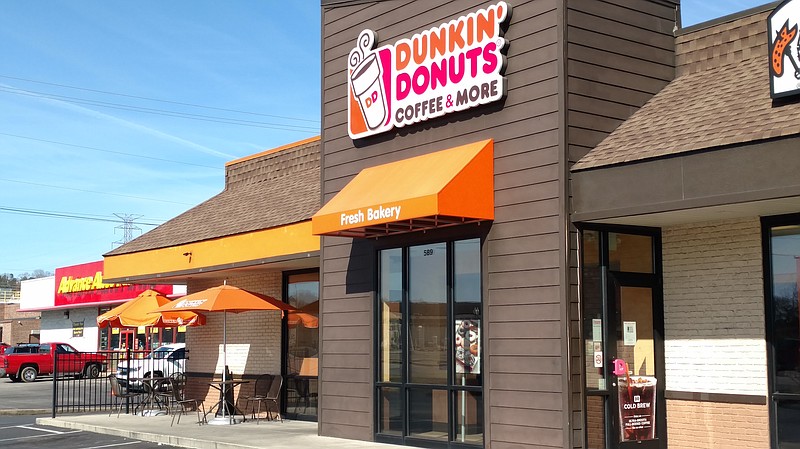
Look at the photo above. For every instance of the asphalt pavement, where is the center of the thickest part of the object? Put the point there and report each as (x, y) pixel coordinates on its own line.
(19, 398)
(22, 432)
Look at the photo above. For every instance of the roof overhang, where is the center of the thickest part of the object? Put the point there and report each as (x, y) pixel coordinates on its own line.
(445, 188)
(283, 247)
(749, 180)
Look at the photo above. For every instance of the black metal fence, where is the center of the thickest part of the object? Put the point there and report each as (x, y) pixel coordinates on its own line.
(81, 381)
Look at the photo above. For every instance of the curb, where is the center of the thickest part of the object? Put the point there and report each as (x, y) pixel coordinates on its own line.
(20, 412)
(171, 440)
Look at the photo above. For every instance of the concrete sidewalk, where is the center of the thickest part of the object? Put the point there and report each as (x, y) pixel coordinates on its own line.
(248, 435)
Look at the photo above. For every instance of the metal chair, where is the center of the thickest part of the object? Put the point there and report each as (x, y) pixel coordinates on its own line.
(178, 384)
(262, 387)
(120, 395)
(274, 394)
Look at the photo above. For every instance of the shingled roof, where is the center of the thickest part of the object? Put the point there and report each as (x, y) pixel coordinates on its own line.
(721, 97)
(274, 188)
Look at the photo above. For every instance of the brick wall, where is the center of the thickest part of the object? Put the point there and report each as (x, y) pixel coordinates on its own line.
(254, 339)
(706, 425)
(714, 308)
(16, 326)
(714, 333)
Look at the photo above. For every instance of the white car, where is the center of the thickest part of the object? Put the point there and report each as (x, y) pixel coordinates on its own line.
(163, 362)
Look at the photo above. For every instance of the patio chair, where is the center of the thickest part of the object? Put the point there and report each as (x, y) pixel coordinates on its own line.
(262, 387)
(184, 404)
(163, 393)
(273, 395)
(120, 395)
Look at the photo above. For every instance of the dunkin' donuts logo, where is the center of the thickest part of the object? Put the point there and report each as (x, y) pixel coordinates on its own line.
(455, 66)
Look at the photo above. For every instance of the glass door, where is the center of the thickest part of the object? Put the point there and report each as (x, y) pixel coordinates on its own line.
(428, 345)
(301, 345)
(633, 365)
(623, 341)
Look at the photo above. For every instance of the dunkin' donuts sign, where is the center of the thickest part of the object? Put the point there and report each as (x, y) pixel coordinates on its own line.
(455, 66)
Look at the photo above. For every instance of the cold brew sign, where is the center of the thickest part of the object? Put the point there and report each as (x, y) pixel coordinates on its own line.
(784, 49)
(455, 66)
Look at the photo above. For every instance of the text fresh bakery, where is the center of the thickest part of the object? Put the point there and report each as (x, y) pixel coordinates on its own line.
(381, 213)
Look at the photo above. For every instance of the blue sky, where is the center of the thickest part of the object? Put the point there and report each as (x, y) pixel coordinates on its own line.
(133, 108)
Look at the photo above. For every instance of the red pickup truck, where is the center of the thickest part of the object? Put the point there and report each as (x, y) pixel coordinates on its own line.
(26, 362)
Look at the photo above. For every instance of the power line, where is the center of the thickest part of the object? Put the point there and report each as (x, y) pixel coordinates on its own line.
(159, 100)
(95, 191)
(68, 215)
(110, 151)
(161, 112)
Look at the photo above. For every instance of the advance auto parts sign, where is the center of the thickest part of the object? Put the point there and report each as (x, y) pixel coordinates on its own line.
(455, 66)
(784, 49)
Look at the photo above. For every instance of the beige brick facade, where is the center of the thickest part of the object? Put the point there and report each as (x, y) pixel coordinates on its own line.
(254, 339)
(707, 425)
(714, 308)
(714, 333)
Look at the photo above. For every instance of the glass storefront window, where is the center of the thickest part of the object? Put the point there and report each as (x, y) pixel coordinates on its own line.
(593, 311)
(391, 295)
(390, 411)
(467, 311)
(630, 253)
(302, 344)
(469, 417)
(429, 381)
(427, 302)
(785, 243)
(595, 422)
(428, 415)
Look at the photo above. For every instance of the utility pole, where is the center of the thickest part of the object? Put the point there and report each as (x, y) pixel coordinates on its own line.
(127, 227)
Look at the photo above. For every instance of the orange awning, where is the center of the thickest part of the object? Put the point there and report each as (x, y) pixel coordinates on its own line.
(434, 190)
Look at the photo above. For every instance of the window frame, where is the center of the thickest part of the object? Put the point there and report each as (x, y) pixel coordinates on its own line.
(404, 385)
(767, 224)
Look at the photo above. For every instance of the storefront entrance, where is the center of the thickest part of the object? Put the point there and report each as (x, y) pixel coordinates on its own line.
(429, 390)
(623, 339)
(301, 345)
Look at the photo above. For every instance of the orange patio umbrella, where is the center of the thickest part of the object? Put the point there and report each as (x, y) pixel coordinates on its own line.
(224, 298)
(307, 316)
(137, 312)
(302, 318)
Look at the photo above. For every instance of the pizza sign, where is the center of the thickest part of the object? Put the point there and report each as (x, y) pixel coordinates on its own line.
(784, 49)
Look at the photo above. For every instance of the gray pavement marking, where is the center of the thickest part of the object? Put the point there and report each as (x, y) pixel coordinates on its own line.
(36, 436)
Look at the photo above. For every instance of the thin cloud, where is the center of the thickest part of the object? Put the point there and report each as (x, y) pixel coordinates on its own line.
(132, 125)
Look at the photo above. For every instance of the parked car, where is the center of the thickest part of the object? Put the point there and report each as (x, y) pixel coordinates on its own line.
(26, 362)
(163, 362)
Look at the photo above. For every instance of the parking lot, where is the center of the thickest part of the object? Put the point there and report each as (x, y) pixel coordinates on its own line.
(37, 395)
(22, 432)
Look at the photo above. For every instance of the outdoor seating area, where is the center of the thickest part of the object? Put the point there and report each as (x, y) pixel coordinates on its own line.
(167, 396)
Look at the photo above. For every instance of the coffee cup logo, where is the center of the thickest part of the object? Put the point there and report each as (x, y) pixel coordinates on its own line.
(366, 82)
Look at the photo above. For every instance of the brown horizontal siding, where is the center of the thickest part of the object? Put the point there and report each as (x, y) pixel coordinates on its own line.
(527, 365)
(619, 54)
(522, 246)
(518, 297)
(526, 437)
